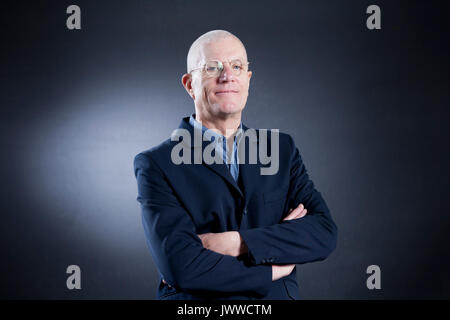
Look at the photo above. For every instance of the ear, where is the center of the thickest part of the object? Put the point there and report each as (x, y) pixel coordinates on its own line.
(186, 81)
(249, 73)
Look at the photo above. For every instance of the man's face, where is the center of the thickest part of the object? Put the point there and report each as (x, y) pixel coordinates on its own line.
(227, 93)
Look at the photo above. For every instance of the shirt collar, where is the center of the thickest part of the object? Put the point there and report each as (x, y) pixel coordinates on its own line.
(197, 125)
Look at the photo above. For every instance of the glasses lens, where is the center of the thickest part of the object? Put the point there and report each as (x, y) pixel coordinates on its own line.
(236, 66)
(213, 68)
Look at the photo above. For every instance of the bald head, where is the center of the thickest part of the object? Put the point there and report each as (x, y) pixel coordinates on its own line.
(195, 52)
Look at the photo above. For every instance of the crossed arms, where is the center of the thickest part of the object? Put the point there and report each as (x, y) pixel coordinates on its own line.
(183, 257)
(231, 243)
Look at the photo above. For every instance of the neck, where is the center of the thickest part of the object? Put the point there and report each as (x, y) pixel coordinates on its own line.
(226, 125)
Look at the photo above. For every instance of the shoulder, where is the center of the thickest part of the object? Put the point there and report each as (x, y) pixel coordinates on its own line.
(155, 156)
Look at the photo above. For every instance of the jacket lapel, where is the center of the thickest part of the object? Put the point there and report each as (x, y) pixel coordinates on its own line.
(220, 169)
(249, 172)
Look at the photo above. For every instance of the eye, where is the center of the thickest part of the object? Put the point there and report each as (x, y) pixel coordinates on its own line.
(211, 69)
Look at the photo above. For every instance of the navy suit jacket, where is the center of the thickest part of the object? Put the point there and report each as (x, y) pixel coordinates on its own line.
(180, 201)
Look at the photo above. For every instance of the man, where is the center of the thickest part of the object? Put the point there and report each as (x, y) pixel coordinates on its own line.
(225, 230)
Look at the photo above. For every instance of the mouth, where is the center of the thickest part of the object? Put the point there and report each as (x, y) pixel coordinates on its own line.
(226, 92)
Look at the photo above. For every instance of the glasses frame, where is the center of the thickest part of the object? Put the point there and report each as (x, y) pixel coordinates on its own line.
(222, 62)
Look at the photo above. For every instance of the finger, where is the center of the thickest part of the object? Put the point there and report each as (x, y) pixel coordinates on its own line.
(303, 213)
(294, 213)
(297, 213)
(203, 235)
(290, 216)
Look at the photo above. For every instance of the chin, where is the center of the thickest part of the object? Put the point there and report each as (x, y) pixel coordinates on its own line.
(229, 108)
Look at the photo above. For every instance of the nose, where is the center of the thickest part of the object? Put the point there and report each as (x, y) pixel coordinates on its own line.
(226, 74)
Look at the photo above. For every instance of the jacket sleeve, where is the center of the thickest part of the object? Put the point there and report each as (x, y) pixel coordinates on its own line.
(177, 250)
(307, 239)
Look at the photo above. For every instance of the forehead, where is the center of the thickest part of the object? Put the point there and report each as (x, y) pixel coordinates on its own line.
(224, 50)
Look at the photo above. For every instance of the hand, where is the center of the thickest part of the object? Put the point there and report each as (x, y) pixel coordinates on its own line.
(280, 271)
(229, 243)
(297, 213)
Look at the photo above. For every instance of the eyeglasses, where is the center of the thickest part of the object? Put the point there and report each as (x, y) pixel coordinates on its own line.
(214, 68)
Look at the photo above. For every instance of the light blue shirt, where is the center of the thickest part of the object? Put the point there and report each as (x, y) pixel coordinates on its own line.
(221, 149)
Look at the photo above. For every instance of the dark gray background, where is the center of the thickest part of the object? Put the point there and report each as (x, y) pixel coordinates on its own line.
(367, 109)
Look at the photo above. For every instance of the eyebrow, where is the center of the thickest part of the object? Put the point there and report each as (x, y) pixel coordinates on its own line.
(232, 59)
